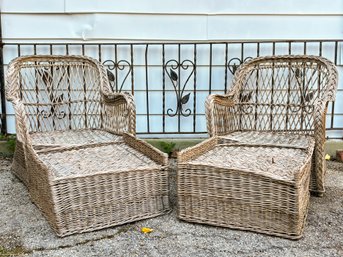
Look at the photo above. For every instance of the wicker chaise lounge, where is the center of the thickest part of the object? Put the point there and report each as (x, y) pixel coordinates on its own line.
(76, 151)
(267, 133)
(279, 94)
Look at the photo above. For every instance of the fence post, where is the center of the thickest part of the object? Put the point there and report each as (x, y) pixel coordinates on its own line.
(2, 84)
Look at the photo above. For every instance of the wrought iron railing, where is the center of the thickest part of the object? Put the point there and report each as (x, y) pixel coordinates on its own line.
(171, 80)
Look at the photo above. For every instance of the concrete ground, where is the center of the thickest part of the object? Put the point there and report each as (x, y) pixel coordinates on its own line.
(25, 232)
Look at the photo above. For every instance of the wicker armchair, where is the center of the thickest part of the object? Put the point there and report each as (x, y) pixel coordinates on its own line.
(279, 94)
(76, 151)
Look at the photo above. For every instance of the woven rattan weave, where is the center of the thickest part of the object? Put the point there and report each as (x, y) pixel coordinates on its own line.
(255, 187)
(81, 168)
(279, 93)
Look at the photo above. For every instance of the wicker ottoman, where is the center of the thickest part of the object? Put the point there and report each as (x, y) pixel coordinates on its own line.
(261, 188)
(100, 185)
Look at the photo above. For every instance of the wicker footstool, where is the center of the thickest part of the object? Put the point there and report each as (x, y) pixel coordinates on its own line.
(99, 185)
(261, 188)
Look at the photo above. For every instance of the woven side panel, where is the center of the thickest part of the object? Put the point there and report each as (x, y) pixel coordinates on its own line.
(39, 186)
(243, 201)
(95, 202)
(19, 164)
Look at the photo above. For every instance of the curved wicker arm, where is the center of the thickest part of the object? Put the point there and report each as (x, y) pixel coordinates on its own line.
(318, 173)
(22, 131)
(145, 148)
(12, 95)
(220, 114)
(119, 113)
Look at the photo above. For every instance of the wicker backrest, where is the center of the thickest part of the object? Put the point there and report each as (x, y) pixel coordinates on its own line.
(58, 92)
(280, 92)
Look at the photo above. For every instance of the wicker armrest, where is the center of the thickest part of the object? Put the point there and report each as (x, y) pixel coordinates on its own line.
(224, 100)
(145, 148)
(119, 112)
(197, 150)
(220, 110)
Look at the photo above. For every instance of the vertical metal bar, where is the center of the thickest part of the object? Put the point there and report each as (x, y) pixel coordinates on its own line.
(289, 86)
(319, 66)
(84, 89)
(163, 90)
(69, 90)
(210, 75)
(303, 87)
(226, 67)
(100, 60)
(20, 85)
(194, 87)
(51, 69)
(132, 76)
(333, 103)
(2, 88)
(289, 47)
(272, 93)
(242, 52)
(147, 88)
(257, 84)
(99, 52)
(37, 91)
(116, 65)
(178, 90)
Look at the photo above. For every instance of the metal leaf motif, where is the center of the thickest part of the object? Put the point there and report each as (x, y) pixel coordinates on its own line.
(245, 98)
(110, 76)
(173, 75)
(298, 73)
(309, 96)
(185, 98)
(46, 77)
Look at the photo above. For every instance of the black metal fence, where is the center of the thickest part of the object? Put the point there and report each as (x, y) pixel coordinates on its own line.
(171, 80)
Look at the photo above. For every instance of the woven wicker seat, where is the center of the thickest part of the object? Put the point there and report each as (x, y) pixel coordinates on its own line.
(81, 167)
(287, 94)
(255, 187)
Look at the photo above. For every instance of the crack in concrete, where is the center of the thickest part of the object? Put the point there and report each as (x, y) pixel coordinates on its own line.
(123, 229)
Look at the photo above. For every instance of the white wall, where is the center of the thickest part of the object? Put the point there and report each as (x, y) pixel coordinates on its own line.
(144, 20)
(156, 20)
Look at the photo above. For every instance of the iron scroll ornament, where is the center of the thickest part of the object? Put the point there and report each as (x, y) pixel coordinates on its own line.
(181, 99)
(306, 95)
(120, 65)
(234, 64)
(47, 78)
